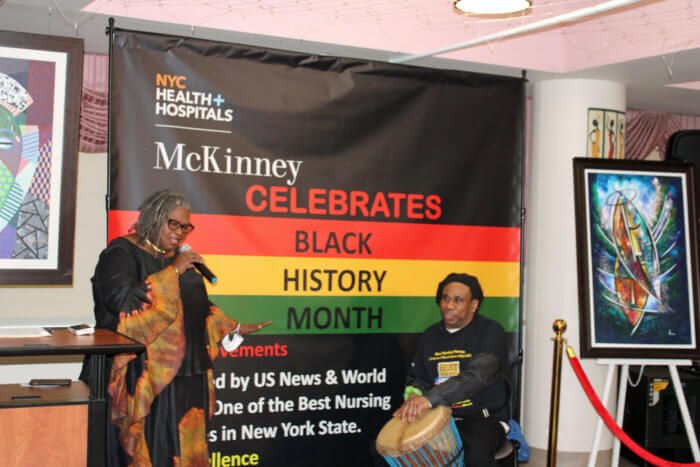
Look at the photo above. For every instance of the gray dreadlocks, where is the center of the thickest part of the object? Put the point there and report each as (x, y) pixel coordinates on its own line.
(153, 213)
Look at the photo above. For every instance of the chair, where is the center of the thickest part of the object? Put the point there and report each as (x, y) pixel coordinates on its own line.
(507, 454)
(505, 451)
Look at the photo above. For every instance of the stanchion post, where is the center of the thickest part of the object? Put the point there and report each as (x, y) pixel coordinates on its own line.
(559, 327)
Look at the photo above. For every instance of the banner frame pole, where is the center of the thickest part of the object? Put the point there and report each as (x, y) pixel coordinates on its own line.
(523, 219)
(108, 196)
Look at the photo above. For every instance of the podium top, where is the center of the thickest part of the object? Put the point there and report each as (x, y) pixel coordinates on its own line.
(62, 342)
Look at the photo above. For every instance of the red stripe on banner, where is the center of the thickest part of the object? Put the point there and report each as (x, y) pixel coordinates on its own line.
(118, 223)
(270, 236)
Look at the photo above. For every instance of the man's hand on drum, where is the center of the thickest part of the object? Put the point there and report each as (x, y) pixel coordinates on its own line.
(412, 408)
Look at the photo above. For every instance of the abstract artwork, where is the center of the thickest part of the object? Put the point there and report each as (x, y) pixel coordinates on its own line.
(636, 258)
(39, 107)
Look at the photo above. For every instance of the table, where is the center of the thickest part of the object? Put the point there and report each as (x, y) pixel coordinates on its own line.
(99, 345)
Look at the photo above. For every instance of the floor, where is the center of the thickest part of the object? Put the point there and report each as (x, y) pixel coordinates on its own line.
(624, 462)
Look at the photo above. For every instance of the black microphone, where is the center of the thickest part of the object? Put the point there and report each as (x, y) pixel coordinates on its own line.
(203, 270)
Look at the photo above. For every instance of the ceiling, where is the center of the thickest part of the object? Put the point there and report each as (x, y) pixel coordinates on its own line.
(653, 46)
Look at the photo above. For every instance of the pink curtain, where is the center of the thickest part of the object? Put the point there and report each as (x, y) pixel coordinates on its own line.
(93, 110)
(649, 130)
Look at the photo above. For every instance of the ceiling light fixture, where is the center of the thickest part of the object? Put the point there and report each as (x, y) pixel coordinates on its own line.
(492, 7)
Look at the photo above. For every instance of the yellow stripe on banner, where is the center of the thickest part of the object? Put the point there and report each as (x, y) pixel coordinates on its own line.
(271, 275)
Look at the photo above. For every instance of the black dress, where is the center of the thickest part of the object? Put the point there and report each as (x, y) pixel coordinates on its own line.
(160, 400)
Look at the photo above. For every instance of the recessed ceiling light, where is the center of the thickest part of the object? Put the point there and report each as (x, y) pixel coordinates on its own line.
(492, 7)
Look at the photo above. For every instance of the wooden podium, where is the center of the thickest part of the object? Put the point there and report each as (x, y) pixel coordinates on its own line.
(63, 403)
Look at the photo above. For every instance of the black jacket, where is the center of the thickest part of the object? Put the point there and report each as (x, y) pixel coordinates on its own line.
(463, 369)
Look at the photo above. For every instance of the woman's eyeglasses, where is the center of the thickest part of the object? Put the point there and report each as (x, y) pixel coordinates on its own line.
(174, 226)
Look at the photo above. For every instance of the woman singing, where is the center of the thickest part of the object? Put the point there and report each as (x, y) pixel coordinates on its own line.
(160, 400)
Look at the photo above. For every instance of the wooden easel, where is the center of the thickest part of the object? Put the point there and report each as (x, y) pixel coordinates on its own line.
(624, 365)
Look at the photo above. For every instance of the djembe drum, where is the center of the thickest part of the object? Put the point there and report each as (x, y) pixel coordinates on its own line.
(432, 440)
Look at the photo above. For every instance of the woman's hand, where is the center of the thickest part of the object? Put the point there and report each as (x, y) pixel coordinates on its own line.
(246, 329)
(412, 408)
(185, 260)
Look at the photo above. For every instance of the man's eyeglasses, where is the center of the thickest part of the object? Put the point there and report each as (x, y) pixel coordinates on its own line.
(174, 226)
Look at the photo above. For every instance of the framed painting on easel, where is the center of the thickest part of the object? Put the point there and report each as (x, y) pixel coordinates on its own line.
(637, 263)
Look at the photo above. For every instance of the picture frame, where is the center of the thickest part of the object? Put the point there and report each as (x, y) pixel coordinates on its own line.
(636, 251)
(605, 136)
(40, 92)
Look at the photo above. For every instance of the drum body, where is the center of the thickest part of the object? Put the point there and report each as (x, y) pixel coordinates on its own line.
(432, 440)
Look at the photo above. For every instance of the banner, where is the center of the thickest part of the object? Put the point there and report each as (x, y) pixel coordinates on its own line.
(330, 195)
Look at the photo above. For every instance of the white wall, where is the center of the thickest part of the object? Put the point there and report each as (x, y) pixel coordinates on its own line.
(559, 129)
(60, 306)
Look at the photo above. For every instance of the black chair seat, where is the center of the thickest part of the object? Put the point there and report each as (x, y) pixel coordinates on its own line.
(504, 451)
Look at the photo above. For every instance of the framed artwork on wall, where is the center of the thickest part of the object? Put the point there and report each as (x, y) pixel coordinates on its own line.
(594, 144)
(40, 83)
(606, 134)
(637, 268)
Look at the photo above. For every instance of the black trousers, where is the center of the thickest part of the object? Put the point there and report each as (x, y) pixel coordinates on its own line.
(481, 438)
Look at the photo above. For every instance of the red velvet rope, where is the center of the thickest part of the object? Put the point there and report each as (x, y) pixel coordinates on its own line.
(610, 422)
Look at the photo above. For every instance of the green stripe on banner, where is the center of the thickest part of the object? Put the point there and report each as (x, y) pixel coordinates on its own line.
(352, 315)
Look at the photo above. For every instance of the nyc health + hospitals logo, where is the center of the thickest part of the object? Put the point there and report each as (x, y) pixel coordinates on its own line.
(175, 99)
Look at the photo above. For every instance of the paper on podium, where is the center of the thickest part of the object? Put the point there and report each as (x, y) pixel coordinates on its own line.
(29, 331)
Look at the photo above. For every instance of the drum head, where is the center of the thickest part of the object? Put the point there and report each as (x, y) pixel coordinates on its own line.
(398, 438)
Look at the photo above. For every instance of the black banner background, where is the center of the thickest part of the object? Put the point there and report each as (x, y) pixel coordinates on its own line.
(358, 125)
(355, 125)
